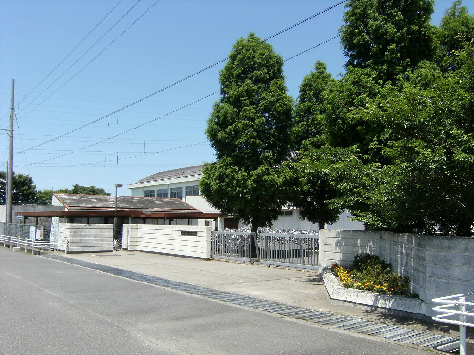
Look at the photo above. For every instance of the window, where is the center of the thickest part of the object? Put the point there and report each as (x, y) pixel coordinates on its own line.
(286, 213)
(162, 193)
(192, 190)
(176, 192)
(149, 193)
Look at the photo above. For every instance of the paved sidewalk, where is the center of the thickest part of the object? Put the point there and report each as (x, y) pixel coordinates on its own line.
(302, 288)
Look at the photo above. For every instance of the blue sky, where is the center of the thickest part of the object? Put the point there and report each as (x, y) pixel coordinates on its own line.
(99, 95)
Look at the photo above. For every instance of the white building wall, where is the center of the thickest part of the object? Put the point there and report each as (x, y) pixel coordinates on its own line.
(190, 241)
(139, 189)
(286, 222)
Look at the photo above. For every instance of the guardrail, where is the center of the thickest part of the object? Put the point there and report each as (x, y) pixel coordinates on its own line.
(459, 310)
(37, 246)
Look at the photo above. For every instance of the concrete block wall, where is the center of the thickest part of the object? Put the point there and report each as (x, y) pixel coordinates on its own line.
(436, 265)
(74, 237)
(193, 241)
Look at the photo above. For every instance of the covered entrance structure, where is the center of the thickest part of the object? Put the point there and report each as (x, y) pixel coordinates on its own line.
(93, 222)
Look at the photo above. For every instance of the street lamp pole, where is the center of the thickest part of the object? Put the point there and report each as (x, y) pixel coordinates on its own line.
(115, 217)
(116, 187)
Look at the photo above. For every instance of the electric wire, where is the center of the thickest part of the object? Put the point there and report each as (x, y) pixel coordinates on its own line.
(94, 58)
(67, 56)
(165, 115)
(306, 19)
(178, 81)
(21, 141)
(128, 130)
(101, 162)
(310, 49)
(82, 56)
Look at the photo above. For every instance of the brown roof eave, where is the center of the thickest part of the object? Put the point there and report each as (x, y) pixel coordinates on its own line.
(113, 213)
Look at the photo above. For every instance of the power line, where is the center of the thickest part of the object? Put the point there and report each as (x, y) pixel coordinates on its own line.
(73, 50)
(310, 49)
(167, 114)
(21, 141)
(306, 19)
(100, 53)
(100, 163)
(181, 80)
(131, 129)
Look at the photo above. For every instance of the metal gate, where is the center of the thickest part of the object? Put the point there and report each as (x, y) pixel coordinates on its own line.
(288, 249)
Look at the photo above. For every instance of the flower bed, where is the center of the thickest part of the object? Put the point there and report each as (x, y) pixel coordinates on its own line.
(391, 303)
(370, 273)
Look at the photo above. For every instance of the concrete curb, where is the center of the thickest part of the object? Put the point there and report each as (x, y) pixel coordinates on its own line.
(371, 299)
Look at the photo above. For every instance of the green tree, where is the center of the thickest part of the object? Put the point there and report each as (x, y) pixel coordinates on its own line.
(24, 190)
(315, 175)
(45, 196)
(87, 190)
(425, 183)
(311, 108)
(387, 36)
(455, 33)
(310, 179)
(403, 128)
(249, 129)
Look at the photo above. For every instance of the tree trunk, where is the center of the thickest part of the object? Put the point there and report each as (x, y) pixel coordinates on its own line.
(321, 223)
(253, 241)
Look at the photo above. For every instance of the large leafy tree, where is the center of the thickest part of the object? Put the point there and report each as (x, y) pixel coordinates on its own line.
(455, 33)
(24, 190)
(387, 36)
(311, 180)
(86, 190)
(401, 126)
(249, 129)
(309, 125)
(44, 196)
(426, 182)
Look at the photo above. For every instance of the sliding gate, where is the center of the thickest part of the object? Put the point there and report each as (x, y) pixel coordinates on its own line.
(288, 249)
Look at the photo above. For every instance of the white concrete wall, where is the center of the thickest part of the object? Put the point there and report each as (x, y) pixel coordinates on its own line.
(200, 203)
(194, 241)
(74, 237)
(436, 265)
(345, 223)
(294, 222)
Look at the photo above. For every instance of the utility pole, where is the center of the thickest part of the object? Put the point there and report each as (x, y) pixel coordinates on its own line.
(10, 160)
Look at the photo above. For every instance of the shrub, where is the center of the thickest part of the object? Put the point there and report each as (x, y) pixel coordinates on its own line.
(371, 273)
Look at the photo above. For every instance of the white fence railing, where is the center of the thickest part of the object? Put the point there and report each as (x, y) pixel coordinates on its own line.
(459, 310)
(35, 246)
(25, 231)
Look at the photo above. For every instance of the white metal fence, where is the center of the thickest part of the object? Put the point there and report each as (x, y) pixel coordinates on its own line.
(28, 245)
(290, 249)
(459, 310)
(25, 231)
(31, 238)
(231, 245)
(293, 249)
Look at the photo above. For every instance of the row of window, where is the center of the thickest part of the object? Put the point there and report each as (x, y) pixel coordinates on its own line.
(175, 192)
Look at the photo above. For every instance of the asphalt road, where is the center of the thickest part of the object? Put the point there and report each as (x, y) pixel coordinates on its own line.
(49, 307)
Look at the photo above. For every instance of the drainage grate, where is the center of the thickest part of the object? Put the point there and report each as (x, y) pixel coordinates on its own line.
(352, 324)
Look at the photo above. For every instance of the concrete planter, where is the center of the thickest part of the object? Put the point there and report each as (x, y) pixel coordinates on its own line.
(389, 302)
